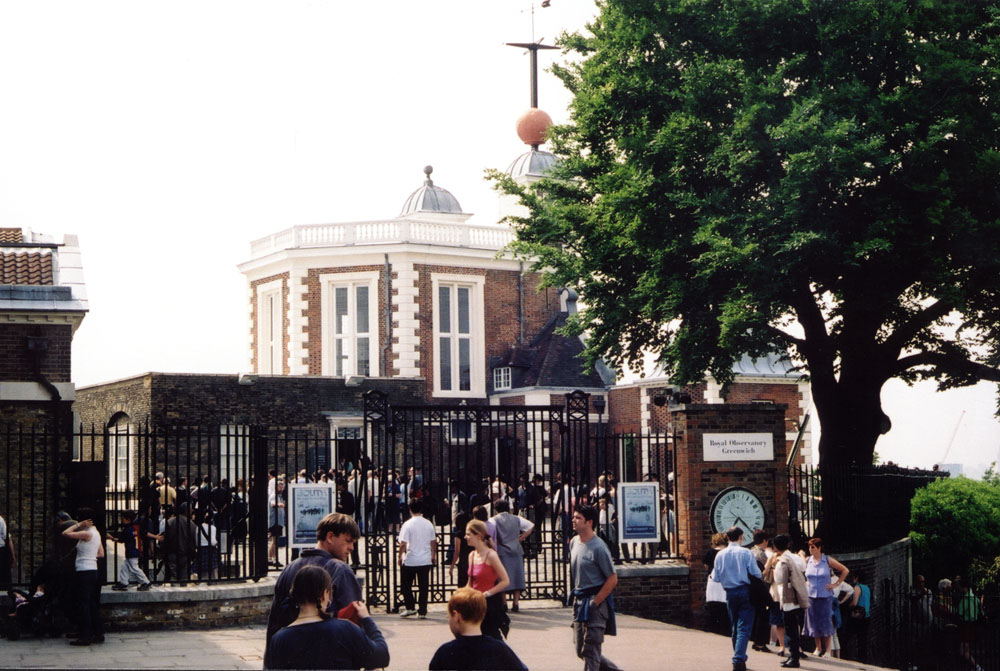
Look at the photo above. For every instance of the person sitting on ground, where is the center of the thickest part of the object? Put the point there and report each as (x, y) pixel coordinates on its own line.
(470, 649)
(317, 641)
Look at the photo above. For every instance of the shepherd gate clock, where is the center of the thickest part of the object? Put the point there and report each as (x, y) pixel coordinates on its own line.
(738, 507)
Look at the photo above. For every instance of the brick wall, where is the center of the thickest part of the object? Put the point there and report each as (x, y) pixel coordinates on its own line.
(502, 313)
(699, 482)
(876, 568)
(624, 409)
(787, 395)
(16, 363)
(657, 592)
(166, 399)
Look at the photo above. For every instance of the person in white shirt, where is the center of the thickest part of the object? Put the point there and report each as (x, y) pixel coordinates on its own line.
(417, 554)
(89, 549)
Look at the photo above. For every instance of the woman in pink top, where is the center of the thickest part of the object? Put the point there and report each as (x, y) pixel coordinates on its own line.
(487, 575)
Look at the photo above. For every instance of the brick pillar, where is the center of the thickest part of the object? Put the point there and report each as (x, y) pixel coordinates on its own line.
(700, 481)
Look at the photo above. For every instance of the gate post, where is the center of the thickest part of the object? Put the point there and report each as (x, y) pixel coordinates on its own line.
(258, 503)
(577, 441)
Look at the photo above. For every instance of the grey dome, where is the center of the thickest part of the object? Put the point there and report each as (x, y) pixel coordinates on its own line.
(430, 198)
(532, 162)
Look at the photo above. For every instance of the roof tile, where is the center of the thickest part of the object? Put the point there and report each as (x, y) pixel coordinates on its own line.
(34, 268)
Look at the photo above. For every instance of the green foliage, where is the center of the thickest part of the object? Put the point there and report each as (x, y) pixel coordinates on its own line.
(991, 476)
(745, 176)
(954, 522)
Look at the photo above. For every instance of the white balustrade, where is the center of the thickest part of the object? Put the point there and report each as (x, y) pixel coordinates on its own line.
(445, 234)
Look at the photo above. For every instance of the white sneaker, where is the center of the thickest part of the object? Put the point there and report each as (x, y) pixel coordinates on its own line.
(421, 617)
(407, 613)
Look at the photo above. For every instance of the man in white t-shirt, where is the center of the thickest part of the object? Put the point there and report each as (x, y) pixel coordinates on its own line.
(417, 554)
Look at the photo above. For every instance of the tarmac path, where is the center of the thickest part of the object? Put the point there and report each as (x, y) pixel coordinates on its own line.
(540, 634)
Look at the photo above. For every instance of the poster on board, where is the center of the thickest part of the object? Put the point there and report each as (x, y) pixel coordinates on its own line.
(639, 512)
(308, 503)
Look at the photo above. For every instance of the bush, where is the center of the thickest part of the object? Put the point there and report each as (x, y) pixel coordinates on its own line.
(954, 521)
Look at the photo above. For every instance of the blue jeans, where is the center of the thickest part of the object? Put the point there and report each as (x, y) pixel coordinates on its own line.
(741, 615)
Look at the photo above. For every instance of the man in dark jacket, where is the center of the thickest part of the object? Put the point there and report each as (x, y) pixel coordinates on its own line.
(336, 535)
(179, 544)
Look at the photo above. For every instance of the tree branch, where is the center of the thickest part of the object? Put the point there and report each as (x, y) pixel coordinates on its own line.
(785, 337)
(947, 363)
(897, 341)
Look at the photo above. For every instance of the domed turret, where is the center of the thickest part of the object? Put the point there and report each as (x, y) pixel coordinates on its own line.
(430, 198)
(532, 163)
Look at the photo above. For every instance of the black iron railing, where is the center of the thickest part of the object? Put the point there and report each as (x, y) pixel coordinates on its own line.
(830, 502)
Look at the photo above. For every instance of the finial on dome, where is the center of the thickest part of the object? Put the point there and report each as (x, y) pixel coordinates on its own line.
(428, 169)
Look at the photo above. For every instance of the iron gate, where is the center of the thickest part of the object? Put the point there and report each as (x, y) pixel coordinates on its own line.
(486, 450)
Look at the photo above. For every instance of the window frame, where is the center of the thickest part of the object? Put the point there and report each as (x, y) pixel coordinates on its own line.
(329, 282)
(502, 378)
(121, 447)
(270, 350)
(477, 336)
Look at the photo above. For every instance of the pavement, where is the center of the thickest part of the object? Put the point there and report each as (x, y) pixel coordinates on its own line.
(540, 634)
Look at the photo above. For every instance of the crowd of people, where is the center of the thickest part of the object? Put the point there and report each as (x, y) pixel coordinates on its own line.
(773, 597)
(319, 620)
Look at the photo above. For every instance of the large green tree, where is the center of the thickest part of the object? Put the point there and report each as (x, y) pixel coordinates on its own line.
(813, 176)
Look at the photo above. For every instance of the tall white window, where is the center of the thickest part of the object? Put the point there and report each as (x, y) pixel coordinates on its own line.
(350, 323)
(121, 454)
(459, 349)
(270, 319)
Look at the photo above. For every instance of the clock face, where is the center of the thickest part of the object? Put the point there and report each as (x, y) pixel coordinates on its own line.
(737, 507)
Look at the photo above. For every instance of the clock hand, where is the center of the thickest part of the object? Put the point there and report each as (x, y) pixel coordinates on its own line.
(742, 523)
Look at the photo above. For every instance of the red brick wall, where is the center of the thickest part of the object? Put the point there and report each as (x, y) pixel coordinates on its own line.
(502, 313)
(699, 482)
(784, 394)
(284, 323)
(624, 409)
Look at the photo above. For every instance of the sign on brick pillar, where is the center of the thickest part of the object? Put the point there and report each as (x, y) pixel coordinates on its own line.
(731, 456)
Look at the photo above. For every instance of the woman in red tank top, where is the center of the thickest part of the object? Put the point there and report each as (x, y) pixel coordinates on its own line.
(487, 575)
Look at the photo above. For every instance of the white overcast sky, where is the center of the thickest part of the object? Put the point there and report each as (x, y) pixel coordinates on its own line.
(168, 135)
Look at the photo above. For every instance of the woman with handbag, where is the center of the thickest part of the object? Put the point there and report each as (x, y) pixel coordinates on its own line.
(819, 617)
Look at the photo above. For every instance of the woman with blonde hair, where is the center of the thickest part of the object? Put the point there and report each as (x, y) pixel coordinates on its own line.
(487, 575)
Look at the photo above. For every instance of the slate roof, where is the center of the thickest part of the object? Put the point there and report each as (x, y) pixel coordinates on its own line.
(550, 360)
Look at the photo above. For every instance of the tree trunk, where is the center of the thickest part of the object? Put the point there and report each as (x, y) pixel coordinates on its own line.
(851, 421)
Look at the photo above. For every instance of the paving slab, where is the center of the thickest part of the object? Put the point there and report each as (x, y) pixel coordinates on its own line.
(540, 634)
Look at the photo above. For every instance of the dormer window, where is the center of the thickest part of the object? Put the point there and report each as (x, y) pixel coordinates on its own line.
(501, 378)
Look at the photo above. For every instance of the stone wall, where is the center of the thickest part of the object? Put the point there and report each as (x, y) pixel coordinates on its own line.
(200, 608)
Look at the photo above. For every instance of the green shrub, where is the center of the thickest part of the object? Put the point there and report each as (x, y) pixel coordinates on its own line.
(954, 521)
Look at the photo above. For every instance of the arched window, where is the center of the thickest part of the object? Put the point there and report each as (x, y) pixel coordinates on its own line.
(120, 454)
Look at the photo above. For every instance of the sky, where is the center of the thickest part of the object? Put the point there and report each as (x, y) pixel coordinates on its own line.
(168, 135)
